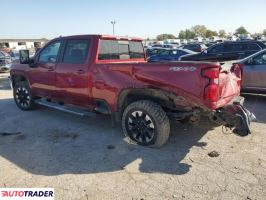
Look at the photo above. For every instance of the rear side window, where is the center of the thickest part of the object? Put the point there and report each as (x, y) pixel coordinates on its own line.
(76, 51)
(253, 47)
(234, 47)
(120, 50)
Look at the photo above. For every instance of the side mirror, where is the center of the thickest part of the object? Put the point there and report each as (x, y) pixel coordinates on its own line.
(24, 56)
(205, 51)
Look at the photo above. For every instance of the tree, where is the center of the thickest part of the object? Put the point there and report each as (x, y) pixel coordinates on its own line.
(222, 33)
(210, 33)
(241, 30)
(182, 35)
(162, 37)
(199, 30)
(186, 34)
(264, 32)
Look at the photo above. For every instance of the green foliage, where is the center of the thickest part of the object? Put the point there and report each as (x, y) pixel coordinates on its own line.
(241, 30)
(187, 34)
(222, 33)
(165, 36)
(210, 33)
(199, 30)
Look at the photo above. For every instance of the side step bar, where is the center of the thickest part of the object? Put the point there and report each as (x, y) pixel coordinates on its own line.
(72, 110)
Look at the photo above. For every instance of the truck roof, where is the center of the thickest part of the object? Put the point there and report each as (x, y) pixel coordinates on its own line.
(103, 37)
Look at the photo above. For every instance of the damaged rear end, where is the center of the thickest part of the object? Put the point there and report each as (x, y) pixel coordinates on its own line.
(221, 94)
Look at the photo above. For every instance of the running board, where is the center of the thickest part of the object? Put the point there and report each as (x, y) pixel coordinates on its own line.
(72, 110)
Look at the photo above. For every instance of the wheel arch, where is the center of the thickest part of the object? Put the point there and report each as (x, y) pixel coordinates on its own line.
(161, 97)
(15, 78)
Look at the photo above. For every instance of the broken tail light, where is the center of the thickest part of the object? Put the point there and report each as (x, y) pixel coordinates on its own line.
(211, 91)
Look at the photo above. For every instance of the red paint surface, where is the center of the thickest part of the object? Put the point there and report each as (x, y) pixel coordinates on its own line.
(106, 79)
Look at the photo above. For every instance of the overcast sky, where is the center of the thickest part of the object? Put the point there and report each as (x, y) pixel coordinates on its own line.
(143, 18)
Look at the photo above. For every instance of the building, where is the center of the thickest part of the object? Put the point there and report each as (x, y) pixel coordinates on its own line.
(18, 44)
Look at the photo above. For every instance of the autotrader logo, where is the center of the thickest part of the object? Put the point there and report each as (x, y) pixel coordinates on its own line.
(26, 193)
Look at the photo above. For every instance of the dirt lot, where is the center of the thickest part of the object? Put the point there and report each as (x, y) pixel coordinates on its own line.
(85, 158)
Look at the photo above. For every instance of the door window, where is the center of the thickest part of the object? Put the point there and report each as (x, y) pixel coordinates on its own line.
(253, 47)
(164, 53)
(260, 59)
(76, 51)
(49, 54)
(234, 47)
(216, 49)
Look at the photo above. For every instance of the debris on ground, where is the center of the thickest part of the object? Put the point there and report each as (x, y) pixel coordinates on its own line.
(213, 154)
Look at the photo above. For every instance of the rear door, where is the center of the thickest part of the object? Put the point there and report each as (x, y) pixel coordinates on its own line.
(72, 79)
(255, 73)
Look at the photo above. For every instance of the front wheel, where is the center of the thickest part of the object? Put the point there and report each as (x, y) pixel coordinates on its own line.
(146, 123)
(22, 96)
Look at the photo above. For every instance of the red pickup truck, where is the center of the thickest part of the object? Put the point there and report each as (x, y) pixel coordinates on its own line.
(110, 75)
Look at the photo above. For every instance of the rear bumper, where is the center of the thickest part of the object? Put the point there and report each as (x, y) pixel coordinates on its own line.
(235, 116)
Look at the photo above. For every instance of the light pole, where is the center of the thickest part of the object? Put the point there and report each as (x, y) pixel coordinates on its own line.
(113, 23)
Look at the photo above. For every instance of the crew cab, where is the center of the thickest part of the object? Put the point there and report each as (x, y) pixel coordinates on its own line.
(110, 75)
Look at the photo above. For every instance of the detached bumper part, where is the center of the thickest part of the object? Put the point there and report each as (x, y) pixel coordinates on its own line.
(235, 117)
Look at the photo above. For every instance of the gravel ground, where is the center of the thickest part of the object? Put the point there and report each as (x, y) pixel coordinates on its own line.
(86, 158)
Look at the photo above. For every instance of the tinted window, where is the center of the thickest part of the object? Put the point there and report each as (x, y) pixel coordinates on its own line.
(76, 51)
(216, 49)
(233, 47)
(193, 46)
(253, 47)
(260, 59)
(50, 53)
(136, 49)
(120, 50)
(164, 53)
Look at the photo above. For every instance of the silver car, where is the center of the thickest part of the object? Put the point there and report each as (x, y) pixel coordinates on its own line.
(254, 72)
(5, 62)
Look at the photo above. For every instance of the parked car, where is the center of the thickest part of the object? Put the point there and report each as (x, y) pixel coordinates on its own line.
(14, 55)
(209, 44)
(153, 51)
(5, 62)
(254, 72)
(109, 75)
(169, 55)
(227, 51)
(196, 47)
(170, 46)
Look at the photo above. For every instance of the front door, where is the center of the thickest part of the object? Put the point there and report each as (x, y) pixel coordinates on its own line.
(43, 75)
(72, 80)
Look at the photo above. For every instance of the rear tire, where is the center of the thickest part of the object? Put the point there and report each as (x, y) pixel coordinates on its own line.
(22, 96)
(145, 123)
